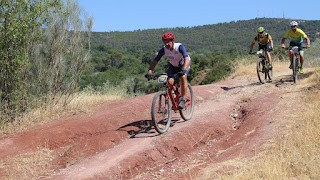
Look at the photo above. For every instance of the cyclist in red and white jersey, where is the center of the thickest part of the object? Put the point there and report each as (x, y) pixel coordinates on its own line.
(179, 62)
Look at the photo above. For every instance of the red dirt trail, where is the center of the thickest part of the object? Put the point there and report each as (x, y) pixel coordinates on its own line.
(232, 119)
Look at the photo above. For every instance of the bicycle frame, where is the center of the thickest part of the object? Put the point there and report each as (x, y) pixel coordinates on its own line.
(165, 101)
(174, 94)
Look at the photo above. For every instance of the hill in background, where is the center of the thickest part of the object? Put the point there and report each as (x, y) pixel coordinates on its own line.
(216, 37)
(122, 58)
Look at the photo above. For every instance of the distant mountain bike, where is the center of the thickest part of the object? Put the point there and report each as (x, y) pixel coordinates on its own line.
(164, 102)
(263, 72)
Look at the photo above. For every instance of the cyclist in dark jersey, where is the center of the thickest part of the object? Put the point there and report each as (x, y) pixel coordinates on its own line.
(179, 62)
(265, 42)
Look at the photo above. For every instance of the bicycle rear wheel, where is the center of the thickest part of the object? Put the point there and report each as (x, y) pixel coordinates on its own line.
(269, 74)
(187, 113)
(161, 112)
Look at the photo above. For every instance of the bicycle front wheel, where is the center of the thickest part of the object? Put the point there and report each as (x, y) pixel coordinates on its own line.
(187, 113)
(269, 74)
(261, 71)
(161, 112)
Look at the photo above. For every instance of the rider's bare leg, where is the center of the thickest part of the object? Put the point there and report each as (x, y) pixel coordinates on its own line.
(269, 57)
(290, 57)
(301, 59)
(184, 85)
(171, 81)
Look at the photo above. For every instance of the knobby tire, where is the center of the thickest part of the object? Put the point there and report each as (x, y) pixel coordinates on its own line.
(295, 69)
(187, 113)
(263, 76)
(161, 113)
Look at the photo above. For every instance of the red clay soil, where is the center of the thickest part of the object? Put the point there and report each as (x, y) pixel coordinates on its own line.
(232, 119)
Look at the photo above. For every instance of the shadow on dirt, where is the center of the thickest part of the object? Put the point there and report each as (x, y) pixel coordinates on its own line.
(143, 128)
(242, 86)
(138, 127)
(288, 79)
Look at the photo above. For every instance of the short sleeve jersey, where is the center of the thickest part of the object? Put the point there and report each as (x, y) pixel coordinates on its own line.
(296, 37)
(176, 56)
(263, 40)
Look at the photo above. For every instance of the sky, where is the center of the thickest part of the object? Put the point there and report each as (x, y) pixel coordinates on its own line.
(130, 15)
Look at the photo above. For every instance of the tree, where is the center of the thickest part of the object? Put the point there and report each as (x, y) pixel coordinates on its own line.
(18, 20)
(41, 51)
(58, 61)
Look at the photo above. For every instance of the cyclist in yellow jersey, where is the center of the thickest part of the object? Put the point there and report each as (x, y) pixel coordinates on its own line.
(296, 36)
(265, 42)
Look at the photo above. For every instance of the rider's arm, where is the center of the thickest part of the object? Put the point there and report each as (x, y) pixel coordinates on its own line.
(253, 42)
(286, 35)
(270, 40)
(183, 51)
(152, 66)
(251, 46)
(155, 60)
(282, 42)
(185, 55)
(186, 62)
(308, 41)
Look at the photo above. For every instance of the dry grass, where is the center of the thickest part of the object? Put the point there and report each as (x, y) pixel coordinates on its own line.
(82, 102)
(36, 165)
(293, 156)
(247, 67)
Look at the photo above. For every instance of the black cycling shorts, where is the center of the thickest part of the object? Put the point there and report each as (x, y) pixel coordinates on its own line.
(266, 47)
(296, 44)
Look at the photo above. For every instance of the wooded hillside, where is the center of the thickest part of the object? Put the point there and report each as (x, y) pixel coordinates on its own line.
(125, 56)
(221, 37)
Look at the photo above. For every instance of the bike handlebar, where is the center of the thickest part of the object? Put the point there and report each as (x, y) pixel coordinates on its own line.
(156, 76)
(290, 47)
(152, 77)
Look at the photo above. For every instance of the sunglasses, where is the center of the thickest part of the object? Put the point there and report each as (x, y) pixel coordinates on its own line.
(167, 40)
(261, 32)
(293, 26)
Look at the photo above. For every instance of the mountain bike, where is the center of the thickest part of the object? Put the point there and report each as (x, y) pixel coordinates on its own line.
(166, 101)
(295, 61)
(262, 67)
